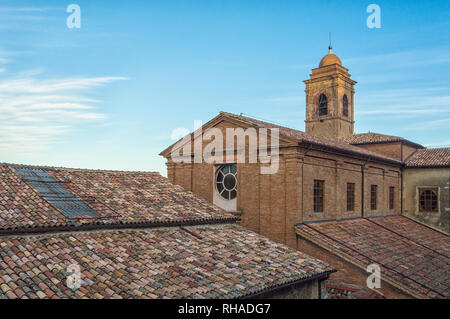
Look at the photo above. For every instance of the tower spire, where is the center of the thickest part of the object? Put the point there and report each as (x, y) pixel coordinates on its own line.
(330, 47)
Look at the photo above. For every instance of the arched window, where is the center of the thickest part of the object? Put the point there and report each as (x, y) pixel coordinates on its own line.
(345, 105)
(226, 181)
(428, 200)
(323, 105)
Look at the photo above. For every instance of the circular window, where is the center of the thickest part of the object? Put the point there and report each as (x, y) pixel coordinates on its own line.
(226, 181)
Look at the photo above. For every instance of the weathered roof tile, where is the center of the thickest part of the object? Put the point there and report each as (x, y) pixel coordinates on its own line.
(117, 197)
(415, 257)
(430, 157)
(228, 261)
(374, 138)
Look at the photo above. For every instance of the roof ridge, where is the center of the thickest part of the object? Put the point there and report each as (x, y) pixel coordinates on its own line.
(429, 157)
(315, 139)
(358, 139)
(77, 169)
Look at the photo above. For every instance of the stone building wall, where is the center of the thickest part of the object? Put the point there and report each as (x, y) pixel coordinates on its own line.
(415, 178)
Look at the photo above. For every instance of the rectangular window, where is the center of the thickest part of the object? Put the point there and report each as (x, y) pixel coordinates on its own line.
(391, 197)
(318, 196)
(350, 197)
(373, 197)
(428, 200)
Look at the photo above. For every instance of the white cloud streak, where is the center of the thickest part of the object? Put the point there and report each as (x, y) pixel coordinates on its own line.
(36, 112)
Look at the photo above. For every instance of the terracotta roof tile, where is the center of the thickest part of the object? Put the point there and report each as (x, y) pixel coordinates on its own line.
(414, 264)
(303, 137)
(211, 261)
(135, 197)
(204, 261)
(22, 207)
(430, 157)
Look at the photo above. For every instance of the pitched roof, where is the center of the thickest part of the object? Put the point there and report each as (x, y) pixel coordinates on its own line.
(118, 198)
(22, 207)
(160, 241)
(307, 138)
(376, 138)
(412, 257)
(430, 157)
(220, 261)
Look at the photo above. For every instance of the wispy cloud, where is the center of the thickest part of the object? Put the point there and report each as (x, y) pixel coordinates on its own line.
(405, 102)
(395, 60)
(36, 112)
(24, 18)
(440, 144)
(431, 125)
(5, 9)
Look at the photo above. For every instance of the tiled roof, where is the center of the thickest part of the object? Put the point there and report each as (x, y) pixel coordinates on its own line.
(374, 138)
(303, 137)
(22, 207)
(412, 257)
(211, 261)
(430, 157)
(129, 197)
(160, 241)
(117, 197)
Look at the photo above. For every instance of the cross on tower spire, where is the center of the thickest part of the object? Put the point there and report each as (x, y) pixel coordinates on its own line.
(330, 47)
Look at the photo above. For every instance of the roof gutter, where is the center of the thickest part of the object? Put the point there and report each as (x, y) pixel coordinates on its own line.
(113, 226)
(403, 142)
(321, 276)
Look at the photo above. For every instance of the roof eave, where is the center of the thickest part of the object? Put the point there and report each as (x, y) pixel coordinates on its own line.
(402, 141)
(357, 154)
(427, 166)
(320, 276)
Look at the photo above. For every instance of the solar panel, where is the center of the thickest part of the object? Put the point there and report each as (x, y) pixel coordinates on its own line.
(55, 193)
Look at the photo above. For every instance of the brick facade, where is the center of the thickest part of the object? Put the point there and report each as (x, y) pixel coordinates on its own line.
(272, 204)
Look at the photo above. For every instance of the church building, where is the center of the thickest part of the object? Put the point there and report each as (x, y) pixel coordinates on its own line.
(327, 174)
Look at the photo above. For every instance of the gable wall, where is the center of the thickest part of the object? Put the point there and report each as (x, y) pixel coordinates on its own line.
(272, 204)
(393, 150)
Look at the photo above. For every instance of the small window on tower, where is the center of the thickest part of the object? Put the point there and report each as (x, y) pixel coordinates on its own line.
(323, 105)
(345, 105)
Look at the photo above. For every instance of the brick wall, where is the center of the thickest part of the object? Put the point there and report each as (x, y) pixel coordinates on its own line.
(438, 178)
(273, 204)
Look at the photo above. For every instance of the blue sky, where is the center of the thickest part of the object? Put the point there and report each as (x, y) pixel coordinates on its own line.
(109, 95)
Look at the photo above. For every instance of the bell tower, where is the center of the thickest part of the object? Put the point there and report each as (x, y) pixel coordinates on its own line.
(329, 99)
